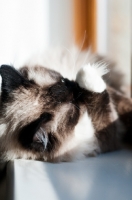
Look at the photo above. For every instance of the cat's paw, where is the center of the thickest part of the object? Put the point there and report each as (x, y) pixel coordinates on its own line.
(90, 78)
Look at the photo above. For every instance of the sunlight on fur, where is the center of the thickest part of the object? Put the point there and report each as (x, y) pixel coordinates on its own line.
(62, 106)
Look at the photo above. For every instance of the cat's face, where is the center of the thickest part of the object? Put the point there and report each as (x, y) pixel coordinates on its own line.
(39, 112)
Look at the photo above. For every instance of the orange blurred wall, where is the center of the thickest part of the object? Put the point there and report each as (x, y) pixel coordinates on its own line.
(84, 19)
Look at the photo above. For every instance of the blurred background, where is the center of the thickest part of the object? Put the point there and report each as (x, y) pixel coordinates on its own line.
(30, 26)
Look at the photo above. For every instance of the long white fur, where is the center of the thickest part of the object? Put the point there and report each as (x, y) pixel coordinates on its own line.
(66, 61)
(89, 77)
(82, 143)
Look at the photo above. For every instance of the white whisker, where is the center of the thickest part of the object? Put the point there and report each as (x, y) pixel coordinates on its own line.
(74, 105)
(78, 54)
(70, 54)
(84, 62)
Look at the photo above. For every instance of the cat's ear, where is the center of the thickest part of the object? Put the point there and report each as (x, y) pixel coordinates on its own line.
(10, 79)
(32, 135)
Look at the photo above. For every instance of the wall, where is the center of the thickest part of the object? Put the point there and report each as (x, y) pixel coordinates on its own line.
(119, 35)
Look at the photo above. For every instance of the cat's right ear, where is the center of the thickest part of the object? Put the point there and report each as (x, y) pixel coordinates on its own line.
(10, 79)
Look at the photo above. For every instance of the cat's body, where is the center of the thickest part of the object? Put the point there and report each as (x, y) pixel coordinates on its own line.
(47, 117)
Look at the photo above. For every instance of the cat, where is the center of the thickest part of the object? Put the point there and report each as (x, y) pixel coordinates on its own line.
(45, 116)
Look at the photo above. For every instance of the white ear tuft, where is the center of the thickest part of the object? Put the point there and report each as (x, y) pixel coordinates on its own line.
(89, 77)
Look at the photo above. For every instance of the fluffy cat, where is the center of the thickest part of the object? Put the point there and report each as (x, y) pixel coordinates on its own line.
(45, 116)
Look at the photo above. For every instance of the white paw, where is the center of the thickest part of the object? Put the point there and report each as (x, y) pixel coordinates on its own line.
(90, 78)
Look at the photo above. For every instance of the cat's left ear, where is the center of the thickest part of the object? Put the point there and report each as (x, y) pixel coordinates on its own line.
(10, 79)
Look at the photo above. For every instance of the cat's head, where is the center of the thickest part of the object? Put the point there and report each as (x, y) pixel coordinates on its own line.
(39, 110)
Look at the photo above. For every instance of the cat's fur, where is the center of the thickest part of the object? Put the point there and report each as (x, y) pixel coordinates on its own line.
(48, 117)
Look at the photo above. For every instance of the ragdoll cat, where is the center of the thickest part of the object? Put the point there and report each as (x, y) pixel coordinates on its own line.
(45, 116)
